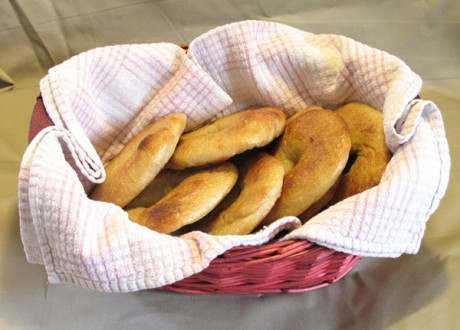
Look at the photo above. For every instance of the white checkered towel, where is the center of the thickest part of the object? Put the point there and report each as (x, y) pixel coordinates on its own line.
(99, 99)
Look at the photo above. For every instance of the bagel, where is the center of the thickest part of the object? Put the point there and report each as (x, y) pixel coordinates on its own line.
(314, 150)
(368, 149)
(188, 202)
(259, 186)
(228, 136)
(300, 113)
(320, 204)
(163, 183)
(128, 173)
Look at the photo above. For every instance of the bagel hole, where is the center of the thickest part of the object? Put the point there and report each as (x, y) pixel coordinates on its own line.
(351, 160)
(242, 157)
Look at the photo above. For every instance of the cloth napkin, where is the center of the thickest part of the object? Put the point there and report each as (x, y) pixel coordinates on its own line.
(101, 98)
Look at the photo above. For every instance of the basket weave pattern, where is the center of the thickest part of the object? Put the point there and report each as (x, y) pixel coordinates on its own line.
(288, 266)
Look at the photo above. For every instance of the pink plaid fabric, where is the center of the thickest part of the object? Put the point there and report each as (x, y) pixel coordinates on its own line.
(101, 98)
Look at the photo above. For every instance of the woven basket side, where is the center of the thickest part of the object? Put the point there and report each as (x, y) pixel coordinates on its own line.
(288, 266)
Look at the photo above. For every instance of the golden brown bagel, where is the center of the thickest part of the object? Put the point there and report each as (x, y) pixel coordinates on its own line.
(367, 145)
(228, 136)
(163, 183)
(314, 149)
(140, 160)
(320, 204)
(300, 113)
(259, 187)
(190, 201)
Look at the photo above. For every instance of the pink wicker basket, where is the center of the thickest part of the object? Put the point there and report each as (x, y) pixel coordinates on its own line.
(287, 266)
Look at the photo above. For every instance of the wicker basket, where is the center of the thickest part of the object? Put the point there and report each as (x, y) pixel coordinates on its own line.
(287, 266)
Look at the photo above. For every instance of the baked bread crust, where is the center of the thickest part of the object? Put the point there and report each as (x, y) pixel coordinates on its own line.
(190, 201)
(128, 173)
(260, 186)
(368, 149)
(314, 150)
(228, 136)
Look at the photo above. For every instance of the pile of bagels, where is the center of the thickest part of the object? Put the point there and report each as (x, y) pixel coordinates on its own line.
(245, 170)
